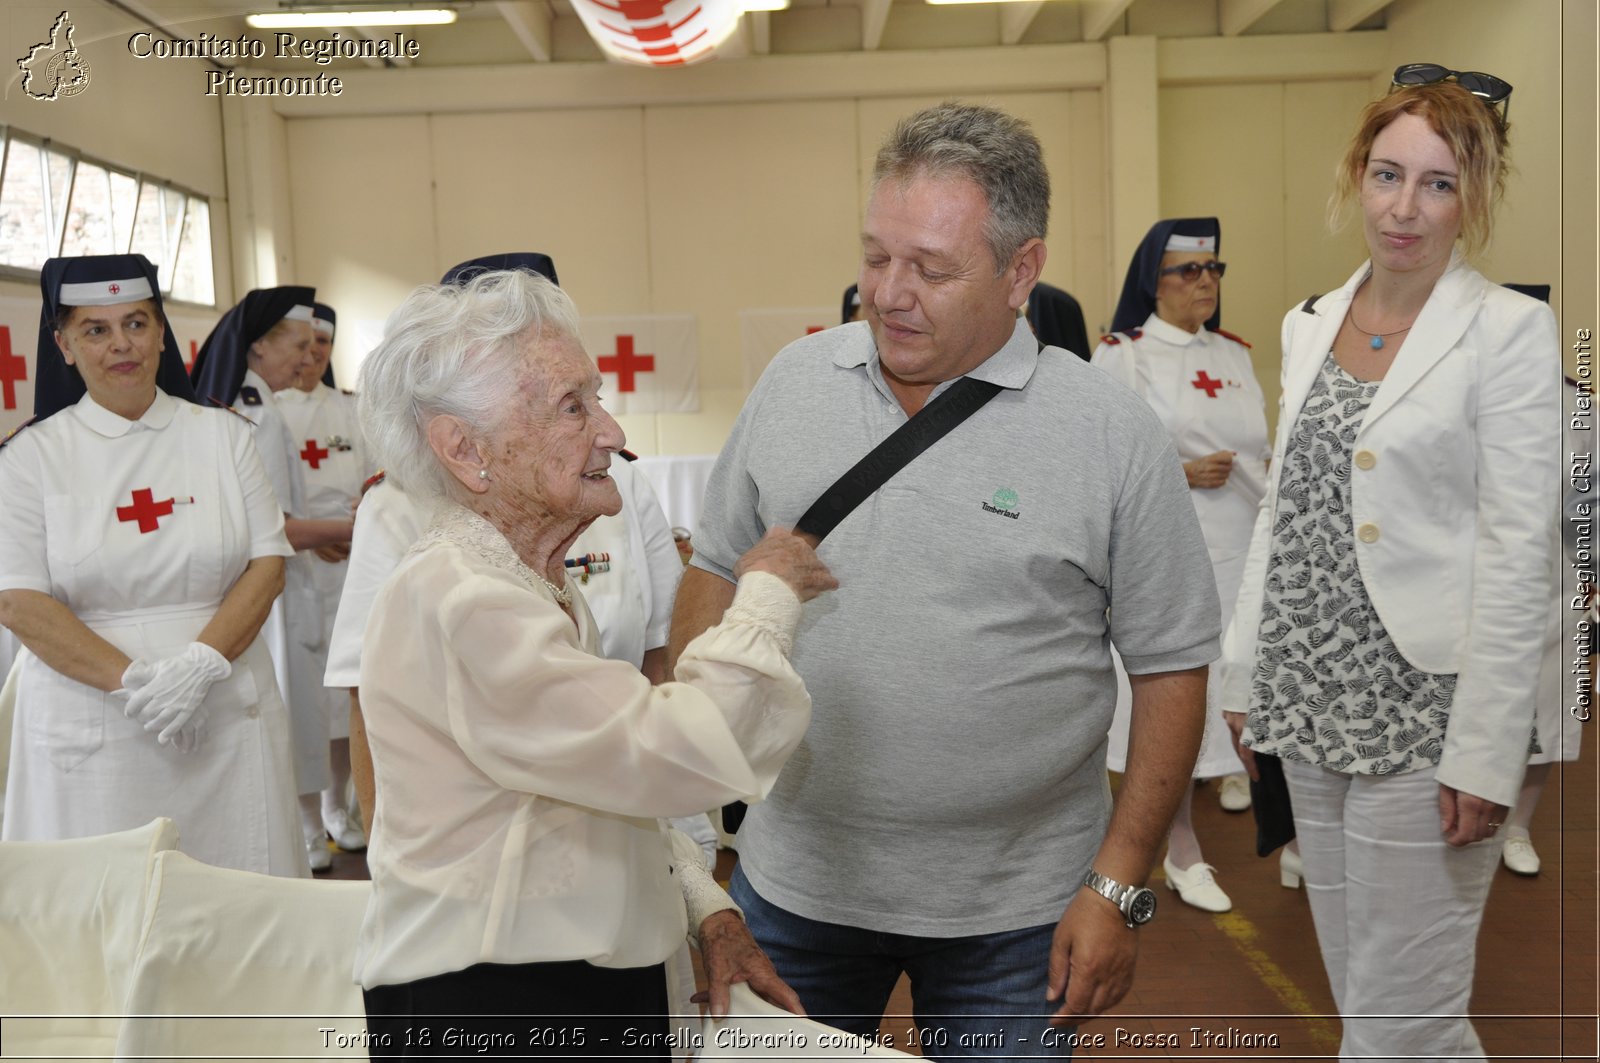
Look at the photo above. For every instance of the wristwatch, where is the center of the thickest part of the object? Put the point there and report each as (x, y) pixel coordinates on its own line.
(1136, 903)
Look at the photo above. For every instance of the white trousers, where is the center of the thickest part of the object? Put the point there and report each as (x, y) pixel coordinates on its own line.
(1396, 910)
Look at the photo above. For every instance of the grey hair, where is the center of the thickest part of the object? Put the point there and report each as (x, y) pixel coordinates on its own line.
(992, 149)
(452, 350)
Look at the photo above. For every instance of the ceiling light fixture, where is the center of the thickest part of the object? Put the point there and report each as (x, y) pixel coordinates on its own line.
(317, 18)
(765, 5)
(942, 2)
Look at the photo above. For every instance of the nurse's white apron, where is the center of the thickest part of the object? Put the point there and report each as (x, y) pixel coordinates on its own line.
(1204, 389)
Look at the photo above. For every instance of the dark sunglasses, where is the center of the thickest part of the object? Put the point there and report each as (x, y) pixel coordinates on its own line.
(1190, 271)
(1486, 87)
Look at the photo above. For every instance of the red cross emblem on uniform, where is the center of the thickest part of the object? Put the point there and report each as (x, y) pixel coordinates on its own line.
(113, 288)
(12, 369)
(313, 454)
(1206, 384)
(625, 363)
(146, 510)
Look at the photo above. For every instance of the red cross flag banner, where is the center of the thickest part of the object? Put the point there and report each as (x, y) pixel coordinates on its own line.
(190, 330)
(650, 363)
(19, 330)
(763, 333)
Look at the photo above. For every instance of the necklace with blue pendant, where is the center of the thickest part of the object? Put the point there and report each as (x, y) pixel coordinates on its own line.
(1374, 339)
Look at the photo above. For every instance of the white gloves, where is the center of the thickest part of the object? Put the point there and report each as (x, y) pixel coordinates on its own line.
(167, 695)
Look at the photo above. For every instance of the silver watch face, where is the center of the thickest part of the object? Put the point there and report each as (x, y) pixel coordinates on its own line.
(1141, 907)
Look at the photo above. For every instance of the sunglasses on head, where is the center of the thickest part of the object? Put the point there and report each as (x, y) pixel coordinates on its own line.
(1486, 87)
(1190, 271)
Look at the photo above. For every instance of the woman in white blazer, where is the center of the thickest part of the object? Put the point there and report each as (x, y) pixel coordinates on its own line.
(1387, 633)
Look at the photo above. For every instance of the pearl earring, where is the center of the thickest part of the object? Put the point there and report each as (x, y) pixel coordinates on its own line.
(483, 474)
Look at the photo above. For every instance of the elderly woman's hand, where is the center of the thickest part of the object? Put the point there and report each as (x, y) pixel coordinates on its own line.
(791, 558)
(731, 955)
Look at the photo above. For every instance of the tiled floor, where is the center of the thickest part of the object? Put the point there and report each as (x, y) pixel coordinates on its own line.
(1256, 970)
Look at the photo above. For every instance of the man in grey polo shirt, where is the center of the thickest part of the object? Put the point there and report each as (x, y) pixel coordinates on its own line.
(950, 796)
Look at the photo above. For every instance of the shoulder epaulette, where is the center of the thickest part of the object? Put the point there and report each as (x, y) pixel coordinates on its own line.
(373, 481)
(627, 455)
(249, 396)
(1240, 340)
(1114, 338)
(347, 391)
(1306, 307)
(13, 433)
(219, 404)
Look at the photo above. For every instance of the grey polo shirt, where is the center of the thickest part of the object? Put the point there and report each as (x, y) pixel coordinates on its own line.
(953, 778)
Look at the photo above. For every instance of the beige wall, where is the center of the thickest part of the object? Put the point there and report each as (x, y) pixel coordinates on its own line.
(739, 184)
(1260, 158)
(702, 208)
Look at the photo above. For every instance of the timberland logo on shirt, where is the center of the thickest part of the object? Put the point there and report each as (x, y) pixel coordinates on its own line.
(1003, 503)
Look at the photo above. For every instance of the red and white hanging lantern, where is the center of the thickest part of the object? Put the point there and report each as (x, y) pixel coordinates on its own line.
(659, 32)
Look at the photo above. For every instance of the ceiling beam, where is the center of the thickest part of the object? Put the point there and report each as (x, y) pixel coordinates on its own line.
(1100, 15)
(530, 21)
(840, 76)
(1236, 16)
(1016, 18)
(1348, 14)
(760, 23)
(874, 15)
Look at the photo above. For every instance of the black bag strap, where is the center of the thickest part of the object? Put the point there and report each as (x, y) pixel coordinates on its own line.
(930, 424)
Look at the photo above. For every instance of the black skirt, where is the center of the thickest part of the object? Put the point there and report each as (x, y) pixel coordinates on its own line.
(547, 1010)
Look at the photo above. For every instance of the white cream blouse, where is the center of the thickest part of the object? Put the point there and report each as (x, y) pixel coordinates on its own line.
(522, 775)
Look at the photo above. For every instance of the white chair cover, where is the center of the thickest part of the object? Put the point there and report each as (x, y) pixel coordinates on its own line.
(71, 913)
(755, 1029)
(235, 962)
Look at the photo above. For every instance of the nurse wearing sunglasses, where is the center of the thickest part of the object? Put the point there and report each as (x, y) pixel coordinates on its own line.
(1169, 347)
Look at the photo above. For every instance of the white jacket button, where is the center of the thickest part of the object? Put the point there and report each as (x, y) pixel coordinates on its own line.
(1368, 532)
(1365, 459)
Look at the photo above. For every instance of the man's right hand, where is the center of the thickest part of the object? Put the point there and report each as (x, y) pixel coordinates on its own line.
(791, 558)
(1091, 959)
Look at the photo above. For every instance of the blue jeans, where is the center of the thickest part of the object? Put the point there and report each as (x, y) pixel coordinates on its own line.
(973, 996)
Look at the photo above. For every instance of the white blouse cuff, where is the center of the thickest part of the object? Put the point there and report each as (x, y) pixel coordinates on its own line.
(766, 602)
(702, 897)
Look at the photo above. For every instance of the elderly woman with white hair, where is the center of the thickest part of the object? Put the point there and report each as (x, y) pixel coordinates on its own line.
(518, 863)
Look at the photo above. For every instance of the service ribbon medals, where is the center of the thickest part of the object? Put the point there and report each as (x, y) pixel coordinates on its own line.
(588, 565)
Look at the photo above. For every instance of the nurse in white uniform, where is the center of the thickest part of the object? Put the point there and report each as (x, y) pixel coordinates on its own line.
(141, 547)
(1168, 346)
(260, 347)
(333, 462)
